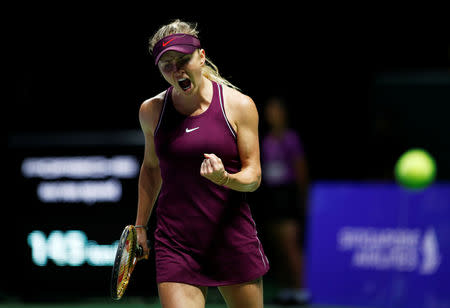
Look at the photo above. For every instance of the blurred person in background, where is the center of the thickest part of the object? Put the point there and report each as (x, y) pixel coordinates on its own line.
(285, 191)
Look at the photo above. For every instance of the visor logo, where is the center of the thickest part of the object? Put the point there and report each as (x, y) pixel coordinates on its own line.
(165, 43)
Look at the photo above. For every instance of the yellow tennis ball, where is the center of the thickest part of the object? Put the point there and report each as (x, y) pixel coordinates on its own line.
(415, 169)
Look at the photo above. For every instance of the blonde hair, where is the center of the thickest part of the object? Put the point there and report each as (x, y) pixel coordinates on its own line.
(210, 70)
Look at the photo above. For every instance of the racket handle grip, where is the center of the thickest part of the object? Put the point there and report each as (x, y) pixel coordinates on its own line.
(140, 250)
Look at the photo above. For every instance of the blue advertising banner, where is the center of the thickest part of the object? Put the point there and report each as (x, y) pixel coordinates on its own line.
(379, 245)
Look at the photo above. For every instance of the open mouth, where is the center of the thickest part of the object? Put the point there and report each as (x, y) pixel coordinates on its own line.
(184, 84)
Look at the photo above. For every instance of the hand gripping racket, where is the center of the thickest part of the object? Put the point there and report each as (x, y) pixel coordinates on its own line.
(126, 256)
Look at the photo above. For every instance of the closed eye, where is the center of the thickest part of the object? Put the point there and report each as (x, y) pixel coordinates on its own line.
(167, 65)
(184, 60)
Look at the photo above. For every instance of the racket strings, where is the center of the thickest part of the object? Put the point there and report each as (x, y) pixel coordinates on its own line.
(126, 266)
(125, 262)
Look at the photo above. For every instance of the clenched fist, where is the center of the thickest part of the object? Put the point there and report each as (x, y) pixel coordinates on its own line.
(212, 168)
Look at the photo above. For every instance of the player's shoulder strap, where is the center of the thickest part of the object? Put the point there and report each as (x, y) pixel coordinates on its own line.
(163, 109)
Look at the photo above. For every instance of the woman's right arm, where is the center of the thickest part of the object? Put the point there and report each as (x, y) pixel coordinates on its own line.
(150, 175)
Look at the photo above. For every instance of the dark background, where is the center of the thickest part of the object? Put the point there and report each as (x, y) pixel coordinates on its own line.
(361, 86)
(87, 67)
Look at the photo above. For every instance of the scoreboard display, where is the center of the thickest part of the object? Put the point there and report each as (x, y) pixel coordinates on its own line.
(71, 196)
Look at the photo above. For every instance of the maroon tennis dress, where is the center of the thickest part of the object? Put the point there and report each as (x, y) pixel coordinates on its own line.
(205, 234)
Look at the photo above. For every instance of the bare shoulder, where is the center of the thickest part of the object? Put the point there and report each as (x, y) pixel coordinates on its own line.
(238, 106)
(149, 112)
(237, 99)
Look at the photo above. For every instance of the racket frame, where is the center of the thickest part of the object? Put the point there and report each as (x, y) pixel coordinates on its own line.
(118, 287)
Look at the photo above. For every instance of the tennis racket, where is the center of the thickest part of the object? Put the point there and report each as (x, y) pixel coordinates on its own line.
(126, 257)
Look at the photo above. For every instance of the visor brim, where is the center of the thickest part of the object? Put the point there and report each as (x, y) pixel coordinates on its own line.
(185, 49)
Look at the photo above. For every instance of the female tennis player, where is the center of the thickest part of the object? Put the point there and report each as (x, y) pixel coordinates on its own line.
(201, 156)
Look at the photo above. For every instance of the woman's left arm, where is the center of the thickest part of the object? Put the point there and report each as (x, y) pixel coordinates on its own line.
(248, 179)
